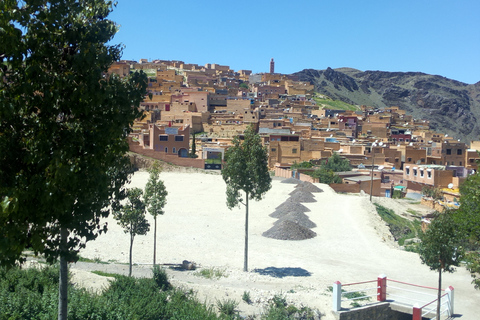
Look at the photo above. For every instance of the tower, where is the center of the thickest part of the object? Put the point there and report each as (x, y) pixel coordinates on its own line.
(272, 66)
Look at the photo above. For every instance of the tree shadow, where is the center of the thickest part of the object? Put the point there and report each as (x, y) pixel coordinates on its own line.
(283, 272)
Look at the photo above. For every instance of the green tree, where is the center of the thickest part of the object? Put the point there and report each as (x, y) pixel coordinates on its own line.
(131, 216)
(63, 127)
(440, 248)
(246, 169)
(337, 164)
(468, 219)
(326, 173)
(155, 200)
(304, 164)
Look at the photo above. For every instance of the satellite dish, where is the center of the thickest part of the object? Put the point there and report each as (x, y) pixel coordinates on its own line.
(353, 141)
(410, 144)
(446, 135)
(450, 185)
(331, 135)
(328, 130)
(398, 145)
(380, 144)
(380, 167)
(340, 150)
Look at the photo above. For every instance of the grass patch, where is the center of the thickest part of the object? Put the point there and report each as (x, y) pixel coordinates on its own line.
(401, 228)
(106, 274)
(328, 103)
(211, 273)
(228, 308)
(95, 260)
(246, 297)
(279, 309)
(358, 296)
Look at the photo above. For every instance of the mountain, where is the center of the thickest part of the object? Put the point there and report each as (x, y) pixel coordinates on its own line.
(451, 106)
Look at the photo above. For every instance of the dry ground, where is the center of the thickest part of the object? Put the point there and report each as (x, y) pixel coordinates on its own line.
(352, 244)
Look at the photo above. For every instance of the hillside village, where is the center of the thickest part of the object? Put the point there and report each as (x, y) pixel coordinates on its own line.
(388, 149)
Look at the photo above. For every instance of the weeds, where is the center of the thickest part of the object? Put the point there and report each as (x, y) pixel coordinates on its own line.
(228, 308)
(211, 273)
(246, 297)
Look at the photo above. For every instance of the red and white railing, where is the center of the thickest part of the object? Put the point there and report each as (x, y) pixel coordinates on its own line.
(419, 298)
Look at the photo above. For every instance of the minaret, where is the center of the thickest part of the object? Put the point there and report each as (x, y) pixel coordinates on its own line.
(272, 66)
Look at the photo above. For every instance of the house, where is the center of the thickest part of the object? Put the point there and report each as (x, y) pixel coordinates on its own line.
(171, 140)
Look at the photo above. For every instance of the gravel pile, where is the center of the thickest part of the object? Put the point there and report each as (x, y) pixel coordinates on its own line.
(302, 196)
(291, 181)
(289, 205)
(289, 230)
(298, 217)
(308, 186)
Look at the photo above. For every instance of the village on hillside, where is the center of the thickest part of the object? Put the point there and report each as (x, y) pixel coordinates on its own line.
(192, 113)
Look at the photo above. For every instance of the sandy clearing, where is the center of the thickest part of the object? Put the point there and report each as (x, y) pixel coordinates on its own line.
(352, 244)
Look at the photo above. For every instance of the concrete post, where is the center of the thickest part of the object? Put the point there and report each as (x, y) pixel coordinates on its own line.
(382, 288)
(337, 296)
(417, 312)
(450, 295)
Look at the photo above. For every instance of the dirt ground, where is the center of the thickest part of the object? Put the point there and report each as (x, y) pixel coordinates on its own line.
(352, 245)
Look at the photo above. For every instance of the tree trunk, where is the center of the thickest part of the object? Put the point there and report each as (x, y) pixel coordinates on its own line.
(439, 295)
(63, 277)
(245, 258)
(130, 261)
(155, 241)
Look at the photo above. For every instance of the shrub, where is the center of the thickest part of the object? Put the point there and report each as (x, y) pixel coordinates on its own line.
(246, 297)
(227, 308)
(161, 278)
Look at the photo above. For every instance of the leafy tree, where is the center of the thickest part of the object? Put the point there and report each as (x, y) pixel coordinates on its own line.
(336, 164)
(326, 173)
(304, 164)
(246, 169)
(155, 199)
(440, 249)
(131, 217)
(468, 218)
(63, 128)
(193, 153)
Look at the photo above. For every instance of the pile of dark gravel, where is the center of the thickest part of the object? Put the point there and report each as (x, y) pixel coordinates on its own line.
(302, 196)
(308, 186)
(291, 181)
(289, 230)
(298, 217)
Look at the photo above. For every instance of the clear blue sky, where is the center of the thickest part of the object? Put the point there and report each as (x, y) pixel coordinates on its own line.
(435, 37)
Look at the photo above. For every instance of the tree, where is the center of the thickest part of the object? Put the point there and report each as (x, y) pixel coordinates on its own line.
(440, 248)
(246, 169)
(155, 199)
(63, 128)
(326, 173)
(131, 217)
(468, 219)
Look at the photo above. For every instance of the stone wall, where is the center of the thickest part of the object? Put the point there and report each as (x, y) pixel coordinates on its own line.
(343, 187)
(380, 311)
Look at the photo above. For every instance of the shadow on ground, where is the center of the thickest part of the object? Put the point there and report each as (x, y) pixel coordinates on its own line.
(283, 272)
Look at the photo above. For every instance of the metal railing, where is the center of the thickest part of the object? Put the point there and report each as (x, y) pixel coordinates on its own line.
(420, 301)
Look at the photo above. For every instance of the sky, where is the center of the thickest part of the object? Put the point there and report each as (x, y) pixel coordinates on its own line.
(435, 37)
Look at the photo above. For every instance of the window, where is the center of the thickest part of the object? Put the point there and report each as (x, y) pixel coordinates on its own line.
(294, 150)
(421, 173)
(174, 150)
(449, 151)
(273, 149)
(459, 152)
(178, 138)
(163, 137)
(414, 172)
(407, 171)
(166, 150)
(409, 159)
(460, 163)
(422, 160)
(429, 174)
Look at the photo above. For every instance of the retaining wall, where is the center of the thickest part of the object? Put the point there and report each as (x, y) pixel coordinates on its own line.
(379, 311)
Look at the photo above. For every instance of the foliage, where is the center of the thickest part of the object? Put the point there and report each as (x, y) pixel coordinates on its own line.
(155, 199)
(326, 176)
(33, 294)
(246, 297)
(468, 219)
(161, 278)
(243, 85)
(211, 273)
(304, 164)
(431, 192)
(228, 308)
(440, 249)
(401, 228)
(328, 103)
(131, 217)
(279, 309)
(326, 173)
(246, 169)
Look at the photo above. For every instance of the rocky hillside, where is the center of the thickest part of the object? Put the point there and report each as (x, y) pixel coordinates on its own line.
(451, 106)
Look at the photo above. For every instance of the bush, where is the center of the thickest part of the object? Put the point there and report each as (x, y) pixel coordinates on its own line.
(228, 308)
(246, 297)
(161, 278)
